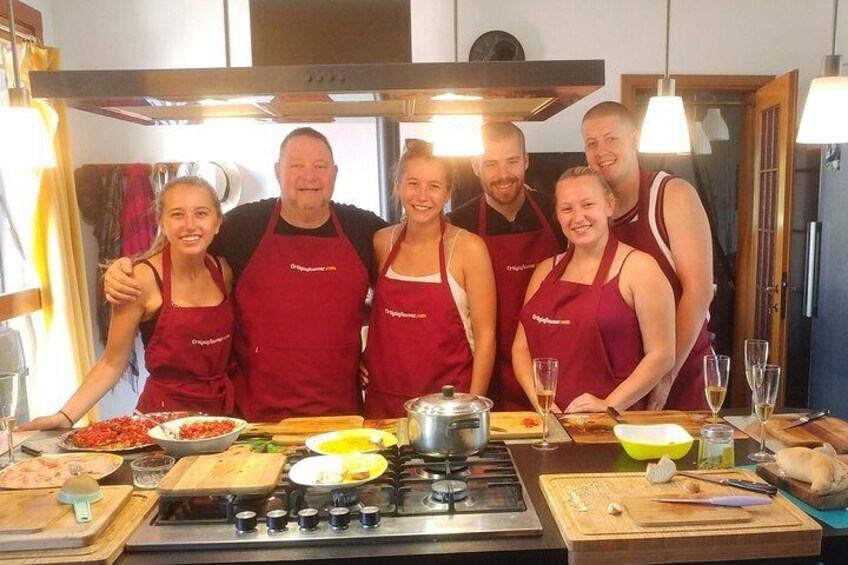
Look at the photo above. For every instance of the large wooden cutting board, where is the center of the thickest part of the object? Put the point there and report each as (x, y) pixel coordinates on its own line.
(27, 511)
(514, 425)
(235, 471)
(597, 427)
(105, 550)
(579, 503)
(801, 490)
(812, 434)
(64, 531)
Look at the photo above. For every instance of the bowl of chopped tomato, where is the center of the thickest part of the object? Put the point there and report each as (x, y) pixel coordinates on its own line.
(198, 434)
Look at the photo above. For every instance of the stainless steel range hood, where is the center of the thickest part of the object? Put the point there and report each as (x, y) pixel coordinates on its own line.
(516, 91)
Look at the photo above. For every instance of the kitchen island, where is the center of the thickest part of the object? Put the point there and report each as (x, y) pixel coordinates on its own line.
(549, 548)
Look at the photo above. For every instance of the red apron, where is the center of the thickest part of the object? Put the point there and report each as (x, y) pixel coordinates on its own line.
(514, 258)
(416, 342)
(687, 392)
(561, 321)
(188, 356)
(299, 308)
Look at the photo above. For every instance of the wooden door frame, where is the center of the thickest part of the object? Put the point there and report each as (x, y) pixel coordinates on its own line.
(747, 85)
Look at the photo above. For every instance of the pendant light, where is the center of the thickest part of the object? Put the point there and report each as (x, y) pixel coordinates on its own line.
(24, 141)
(457, 135)
(700, 140)
(664, 129)
(714, 125)
(825, 117)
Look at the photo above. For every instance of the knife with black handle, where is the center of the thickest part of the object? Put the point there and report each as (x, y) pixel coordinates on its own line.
(752, 486)
(806, 418)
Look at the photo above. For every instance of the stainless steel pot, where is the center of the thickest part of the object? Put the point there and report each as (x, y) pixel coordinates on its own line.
(448, 424)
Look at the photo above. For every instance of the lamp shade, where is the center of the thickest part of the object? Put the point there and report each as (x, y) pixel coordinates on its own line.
(700, 142)
(825, 117)
(24, 141)
(714, 125)
(457, 135)
(664, 129)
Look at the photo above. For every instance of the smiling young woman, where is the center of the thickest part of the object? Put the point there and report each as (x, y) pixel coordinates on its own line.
(433, 316)
(603, 310)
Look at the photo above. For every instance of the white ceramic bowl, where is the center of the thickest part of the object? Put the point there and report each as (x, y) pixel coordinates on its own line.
(183, 447)
(653, 441)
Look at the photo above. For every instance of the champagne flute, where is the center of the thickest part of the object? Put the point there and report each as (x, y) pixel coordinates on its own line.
(545, 382)
(716, 373)
(756, 353)
(8, 410)
(766, 385)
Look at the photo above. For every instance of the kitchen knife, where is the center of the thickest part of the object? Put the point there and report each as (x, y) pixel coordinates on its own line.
(720, 500)
(804, 419)
(738, 483)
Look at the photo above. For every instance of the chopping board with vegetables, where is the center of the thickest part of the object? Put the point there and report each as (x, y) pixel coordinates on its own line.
(801, 490)
(514, 425)
(54, 524)
(105, 549)
(597, 427)
(239, 470)
(595, 533)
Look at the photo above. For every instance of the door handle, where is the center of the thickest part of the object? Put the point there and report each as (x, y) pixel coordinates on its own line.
(811, 269)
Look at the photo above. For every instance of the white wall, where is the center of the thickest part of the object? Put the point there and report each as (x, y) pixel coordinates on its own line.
(768, 37)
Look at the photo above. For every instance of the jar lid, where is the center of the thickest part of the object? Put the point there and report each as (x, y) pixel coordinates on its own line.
(721, 432)
(448, 403)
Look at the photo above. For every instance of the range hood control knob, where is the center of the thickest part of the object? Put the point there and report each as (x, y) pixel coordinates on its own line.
(276, 520)
(342, 77)
(369, 517)
(308, 78)
(339, 518)
(246, 522)
(331, 77)
(321, 77)
(307, 519)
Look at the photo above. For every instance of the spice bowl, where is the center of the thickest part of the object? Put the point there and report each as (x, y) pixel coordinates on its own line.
(149, 471)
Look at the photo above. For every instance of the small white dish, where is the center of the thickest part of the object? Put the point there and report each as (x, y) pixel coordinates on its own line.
(335, 471)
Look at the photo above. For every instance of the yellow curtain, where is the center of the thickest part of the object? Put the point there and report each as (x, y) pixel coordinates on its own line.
(65, 344)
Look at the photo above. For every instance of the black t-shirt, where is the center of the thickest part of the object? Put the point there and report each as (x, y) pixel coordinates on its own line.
(467, 216)
(245, 225)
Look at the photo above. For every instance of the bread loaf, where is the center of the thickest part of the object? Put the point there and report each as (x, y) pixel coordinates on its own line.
(826, 474)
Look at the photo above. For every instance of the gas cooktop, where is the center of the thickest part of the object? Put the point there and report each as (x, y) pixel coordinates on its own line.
(482, 496)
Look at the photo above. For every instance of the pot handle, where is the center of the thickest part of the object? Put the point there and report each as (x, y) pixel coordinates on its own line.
(466, 424)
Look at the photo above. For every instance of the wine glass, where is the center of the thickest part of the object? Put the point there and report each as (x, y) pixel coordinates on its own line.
(756, 353)
(716, 373)
(545, 382)
(8, 410)
(766, 385)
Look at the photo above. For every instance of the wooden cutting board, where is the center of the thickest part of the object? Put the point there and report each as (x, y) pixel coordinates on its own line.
(578, 503)
(647, 512)
(514, 425)
(801, 490)
(106, 548)
(597, 427)
(28, 511)
(235, 471)
(64, 531)
(304, 426)
(812, 434)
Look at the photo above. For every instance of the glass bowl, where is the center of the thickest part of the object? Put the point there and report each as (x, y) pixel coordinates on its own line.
(149, 471)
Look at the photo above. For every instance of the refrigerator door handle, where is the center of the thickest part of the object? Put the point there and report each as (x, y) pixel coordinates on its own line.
(811, 270)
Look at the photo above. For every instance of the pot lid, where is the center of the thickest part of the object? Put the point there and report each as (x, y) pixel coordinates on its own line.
(448, 403)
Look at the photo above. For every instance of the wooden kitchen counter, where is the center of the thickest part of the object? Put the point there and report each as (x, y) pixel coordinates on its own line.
(546, 549)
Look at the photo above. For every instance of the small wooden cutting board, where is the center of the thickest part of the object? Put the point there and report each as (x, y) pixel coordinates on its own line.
(235, 471)
(647, 512)
(597, 427)
(801, 490)
(304, 427)
(29, 511)
(812, 434)
(515, 425)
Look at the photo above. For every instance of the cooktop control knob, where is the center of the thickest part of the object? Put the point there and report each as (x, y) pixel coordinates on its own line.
(369, 516)
(307, 519)
(246, 522)
(339, 518)
(276, 520)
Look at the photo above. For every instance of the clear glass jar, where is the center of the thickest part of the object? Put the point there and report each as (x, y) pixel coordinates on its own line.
(715, 449)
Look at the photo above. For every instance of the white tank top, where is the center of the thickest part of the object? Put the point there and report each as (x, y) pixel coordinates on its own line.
(460, 296)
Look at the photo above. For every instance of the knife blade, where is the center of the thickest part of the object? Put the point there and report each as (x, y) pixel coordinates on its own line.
(806, 418)
(735, 501)
(738, 483)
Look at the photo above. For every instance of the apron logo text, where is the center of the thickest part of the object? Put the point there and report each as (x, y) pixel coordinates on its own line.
(213, 341)
(519, 268)
(550, 321)
(396, 314)
(304, 269)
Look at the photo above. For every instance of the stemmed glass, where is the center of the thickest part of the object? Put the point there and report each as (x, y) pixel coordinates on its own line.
(8, 410)
(766, 385)
(756, 353)
(716, 373)
(545, 382)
